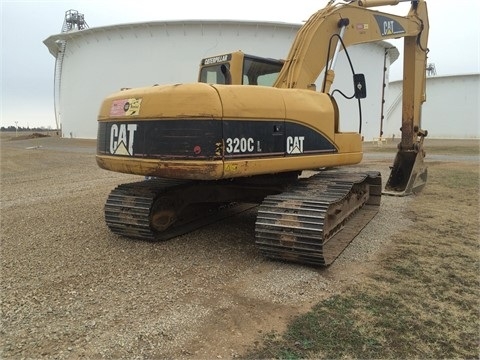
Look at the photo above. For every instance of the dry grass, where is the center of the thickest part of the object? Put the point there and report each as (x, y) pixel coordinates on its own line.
(423, 299)
(432, 146)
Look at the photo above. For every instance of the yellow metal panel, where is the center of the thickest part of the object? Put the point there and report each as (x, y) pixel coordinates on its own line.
(348, 142)
(174, 169)
(237, 168)
(306, 107)
(167, 101)
(312, 109)
(251, 102)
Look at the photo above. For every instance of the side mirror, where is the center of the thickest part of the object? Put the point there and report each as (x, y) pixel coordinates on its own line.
(359, 86)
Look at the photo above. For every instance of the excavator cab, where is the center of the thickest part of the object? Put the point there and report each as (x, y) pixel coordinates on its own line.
(238, 68)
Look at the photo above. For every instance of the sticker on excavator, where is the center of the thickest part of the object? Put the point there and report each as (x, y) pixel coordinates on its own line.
(361, 27)
(125, 107)
(217, 59)
(389, 26)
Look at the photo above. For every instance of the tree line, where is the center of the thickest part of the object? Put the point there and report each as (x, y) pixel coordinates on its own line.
(20, 128)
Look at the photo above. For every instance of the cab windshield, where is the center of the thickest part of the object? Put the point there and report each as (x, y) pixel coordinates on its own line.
(255, 71)
(258, 71)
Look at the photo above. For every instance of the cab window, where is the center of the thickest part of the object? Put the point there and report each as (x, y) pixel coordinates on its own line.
(257, 71)
(215, 74)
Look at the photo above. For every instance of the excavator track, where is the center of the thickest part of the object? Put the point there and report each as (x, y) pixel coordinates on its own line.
(135, 210)
(160, 209)
(128, 207)
(313, 222)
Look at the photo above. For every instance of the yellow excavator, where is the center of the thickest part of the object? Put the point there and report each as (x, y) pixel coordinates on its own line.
(245, 132)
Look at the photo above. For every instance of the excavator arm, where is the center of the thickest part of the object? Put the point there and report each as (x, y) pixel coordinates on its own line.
(355, 23)
(316, 47)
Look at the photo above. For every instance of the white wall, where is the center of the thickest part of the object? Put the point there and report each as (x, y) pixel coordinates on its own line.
(99, 61)
(452, 109)
(369, 60)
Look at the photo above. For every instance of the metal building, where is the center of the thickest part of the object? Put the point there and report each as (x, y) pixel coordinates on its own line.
(451, 110)
(94, 62)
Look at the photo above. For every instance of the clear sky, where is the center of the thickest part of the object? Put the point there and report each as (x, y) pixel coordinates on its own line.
(27, 68)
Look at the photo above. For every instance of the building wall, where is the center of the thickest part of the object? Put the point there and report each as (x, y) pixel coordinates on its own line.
(452, 109)
(100, 61)
(369, 60)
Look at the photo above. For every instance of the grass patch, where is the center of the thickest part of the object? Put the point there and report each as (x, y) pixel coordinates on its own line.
(432, 146)
(423, 300)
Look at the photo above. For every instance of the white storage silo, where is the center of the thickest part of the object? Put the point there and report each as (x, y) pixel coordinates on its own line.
(451, 110)
(98, 61)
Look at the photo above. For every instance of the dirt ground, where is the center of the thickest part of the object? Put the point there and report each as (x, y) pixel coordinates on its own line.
(72, 289)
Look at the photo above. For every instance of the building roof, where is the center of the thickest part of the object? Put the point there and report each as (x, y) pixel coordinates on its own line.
(53, 42)
(438, 77)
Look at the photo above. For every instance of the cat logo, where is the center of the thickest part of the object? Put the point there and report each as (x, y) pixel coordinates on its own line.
(295, 144)
(388, 26)
(121, 139)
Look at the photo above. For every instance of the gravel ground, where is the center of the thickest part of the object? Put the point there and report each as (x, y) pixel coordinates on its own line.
(72, 289)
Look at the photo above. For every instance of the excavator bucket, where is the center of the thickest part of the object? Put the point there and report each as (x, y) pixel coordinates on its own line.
(409, 172)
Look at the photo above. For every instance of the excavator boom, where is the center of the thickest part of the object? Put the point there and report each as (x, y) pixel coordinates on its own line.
(357, 23)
